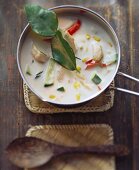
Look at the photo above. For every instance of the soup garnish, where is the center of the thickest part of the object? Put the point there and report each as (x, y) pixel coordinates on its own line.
(74, 27)
(45, 23)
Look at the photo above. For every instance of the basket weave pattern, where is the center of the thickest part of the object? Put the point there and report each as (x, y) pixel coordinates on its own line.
(76, 135)
(100, 104)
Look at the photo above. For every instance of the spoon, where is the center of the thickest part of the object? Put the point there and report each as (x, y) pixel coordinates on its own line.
(30, 152)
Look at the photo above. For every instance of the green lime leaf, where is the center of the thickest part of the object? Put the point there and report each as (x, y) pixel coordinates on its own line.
(43, 22)
(62, 52)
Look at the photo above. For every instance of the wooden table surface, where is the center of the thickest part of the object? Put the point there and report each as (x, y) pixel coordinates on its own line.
(123, 117)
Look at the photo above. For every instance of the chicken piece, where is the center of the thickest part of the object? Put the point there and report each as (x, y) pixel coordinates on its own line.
(70, 40)
(97, 52)
(38, 55)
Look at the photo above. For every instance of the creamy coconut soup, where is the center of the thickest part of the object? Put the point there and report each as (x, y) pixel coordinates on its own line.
(96, 61)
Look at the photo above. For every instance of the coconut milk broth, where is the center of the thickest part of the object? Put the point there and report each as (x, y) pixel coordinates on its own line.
(70, 78)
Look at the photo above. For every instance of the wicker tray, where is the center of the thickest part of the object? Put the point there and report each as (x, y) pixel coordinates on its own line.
(76, 135)
(99, 104)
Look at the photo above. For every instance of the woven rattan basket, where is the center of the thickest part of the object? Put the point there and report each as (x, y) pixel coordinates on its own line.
(76, 135)
(99, 104)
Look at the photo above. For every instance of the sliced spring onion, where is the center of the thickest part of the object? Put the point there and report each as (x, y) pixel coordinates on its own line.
(50, 73)
(61, 89)
(38, 74)
(96, 79)
(27, 70)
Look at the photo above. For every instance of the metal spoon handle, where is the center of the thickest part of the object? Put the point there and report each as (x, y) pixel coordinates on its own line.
(128, 76)
(125, 90)
(115, 150)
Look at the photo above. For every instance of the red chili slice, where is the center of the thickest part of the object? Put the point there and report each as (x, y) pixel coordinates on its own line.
(91, 64)
(89, 61)
(47, 40)
(74, 27)
(103, 65)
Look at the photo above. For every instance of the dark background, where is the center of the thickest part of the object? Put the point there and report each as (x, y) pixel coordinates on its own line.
(123, 117)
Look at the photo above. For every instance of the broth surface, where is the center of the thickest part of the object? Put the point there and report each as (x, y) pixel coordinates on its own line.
(78, 86)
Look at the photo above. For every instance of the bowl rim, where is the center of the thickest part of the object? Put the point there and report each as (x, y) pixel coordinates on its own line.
(117, 47)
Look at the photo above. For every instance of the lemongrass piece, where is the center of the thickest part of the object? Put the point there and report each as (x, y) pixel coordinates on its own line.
(87, 86)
